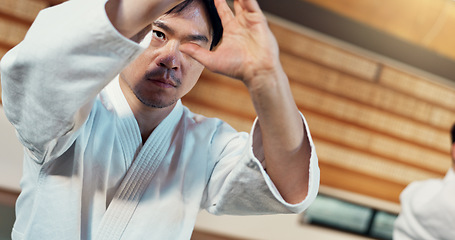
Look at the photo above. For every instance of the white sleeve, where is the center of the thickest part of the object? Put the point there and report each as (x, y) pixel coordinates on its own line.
(52, 77)
(427, 210)
(239, 185)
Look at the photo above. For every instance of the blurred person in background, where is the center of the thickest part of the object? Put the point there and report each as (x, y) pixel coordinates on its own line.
(428, 207)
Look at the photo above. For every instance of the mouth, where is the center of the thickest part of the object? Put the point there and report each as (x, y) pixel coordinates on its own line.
(164, 83)
(162, 78)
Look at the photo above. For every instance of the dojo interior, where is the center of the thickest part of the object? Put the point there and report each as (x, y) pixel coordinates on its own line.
(374, 79)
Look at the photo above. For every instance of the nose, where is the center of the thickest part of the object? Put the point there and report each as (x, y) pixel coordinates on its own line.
(169, 56)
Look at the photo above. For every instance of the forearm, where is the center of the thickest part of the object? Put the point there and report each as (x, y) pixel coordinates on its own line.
(130, 17)
(249, 52)
(52, 76)
(286, 146)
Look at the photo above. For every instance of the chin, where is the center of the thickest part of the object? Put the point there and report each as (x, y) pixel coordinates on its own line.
(155, 99)
(157, 103)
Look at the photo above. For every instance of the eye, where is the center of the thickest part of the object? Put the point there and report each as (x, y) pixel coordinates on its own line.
(158, 35)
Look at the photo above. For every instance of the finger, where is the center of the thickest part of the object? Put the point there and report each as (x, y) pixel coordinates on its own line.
(250, 5)
(224, 11)
(237, 7)
(202, 55)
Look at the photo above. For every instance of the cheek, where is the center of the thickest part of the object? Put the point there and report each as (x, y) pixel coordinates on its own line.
(195, 69)
(193, 76)
(141, 62)
(136, 68)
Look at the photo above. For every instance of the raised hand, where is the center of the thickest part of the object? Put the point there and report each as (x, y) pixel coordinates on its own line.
(248, 50)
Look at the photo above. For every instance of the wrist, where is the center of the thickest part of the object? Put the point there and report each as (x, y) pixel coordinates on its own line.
(271, 90)
(266, 79)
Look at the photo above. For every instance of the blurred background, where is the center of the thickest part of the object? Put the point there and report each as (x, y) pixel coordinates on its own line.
(375, 80)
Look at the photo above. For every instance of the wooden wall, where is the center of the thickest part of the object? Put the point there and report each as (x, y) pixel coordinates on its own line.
(377, 126)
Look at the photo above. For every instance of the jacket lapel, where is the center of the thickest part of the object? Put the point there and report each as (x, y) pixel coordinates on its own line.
(142, 169)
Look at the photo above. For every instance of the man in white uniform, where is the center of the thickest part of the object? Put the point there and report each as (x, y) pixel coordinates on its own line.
(111, 153)
(428, 207)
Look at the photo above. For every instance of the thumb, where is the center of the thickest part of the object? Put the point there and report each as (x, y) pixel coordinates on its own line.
(202, 55)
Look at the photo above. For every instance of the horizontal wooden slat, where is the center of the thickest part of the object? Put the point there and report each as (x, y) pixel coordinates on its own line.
(345, 158)
(238, 123)
(3, 52)
(11, 33)
(5, 48)
(221, 94)
(221, 97)
(302, 46)
(375, 144)
(356, 182)
(373, 94)
(26, 10)
(419, 87)
(371, 118)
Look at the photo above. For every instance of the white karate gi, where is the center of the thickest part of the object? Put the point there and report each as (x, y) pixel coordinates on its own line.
(427, 210)
(81, 140)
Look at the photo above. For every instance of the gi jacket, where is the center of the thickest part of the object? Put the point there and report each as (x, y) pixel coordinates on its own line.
(85, 165)
(427, 210)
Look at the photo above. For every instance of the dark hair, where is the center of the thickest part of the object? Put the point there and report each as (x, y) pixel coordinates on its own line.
(214, 18)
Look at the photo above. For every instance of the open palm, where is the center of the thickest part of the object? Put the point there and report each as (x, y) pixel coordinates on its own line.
(248, 47)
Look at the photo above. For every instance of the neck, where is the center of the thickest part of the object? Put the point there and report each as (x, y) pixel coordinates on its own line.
(147, 117)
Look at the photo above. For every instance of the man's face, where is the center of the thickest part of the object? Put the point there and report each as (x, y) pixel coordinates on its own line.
(162, 74)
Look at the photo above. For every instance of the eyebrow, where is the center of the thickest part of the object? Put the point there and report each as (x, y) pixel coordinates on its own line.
(191, 37)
